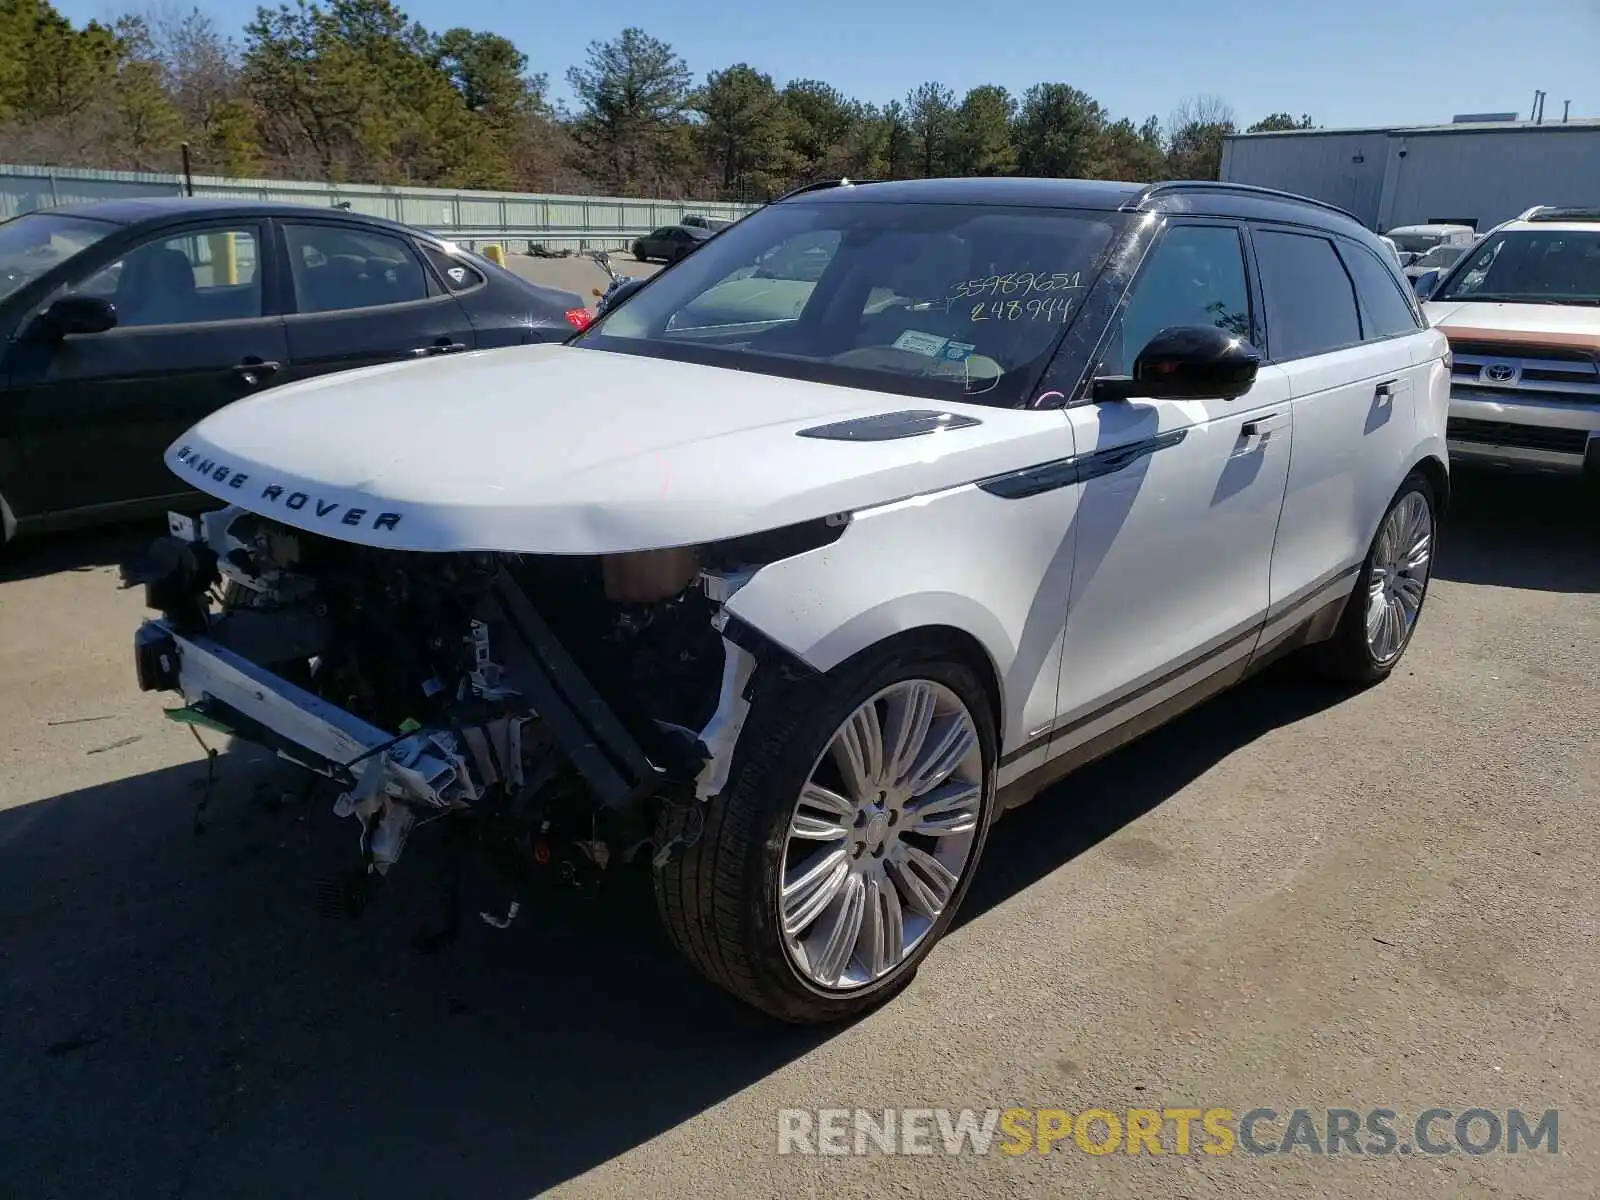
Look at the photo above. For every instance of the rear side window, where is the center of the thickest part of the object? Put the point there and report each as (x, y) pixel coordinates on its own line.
(1388, 311)
(458, 275)
(336, 269)
(1311, 303)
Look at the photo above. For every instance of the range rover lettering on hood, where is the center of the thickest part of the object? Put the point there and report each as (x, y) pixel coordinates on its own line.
(565, 450)
(331, 511)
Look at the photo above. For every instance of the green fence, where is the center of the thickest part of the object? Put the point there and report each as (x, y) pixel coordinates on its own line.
(514, 219)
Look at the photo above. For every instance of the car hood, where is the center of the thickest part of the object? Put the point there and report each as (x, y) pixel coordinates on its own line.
(1539, 324)
(562, 450)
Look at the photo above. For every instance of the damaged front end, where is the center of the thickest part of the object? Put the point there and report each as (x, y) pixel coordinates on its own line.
(550, 697)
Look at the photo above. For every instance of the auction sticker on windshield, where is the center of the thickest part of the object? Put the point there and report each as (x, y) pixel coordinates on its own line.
(916, 342)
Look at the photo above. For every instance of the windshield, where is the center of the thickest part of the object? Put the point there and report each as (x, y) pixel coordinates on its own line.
(1440, 256)
(961, 302)
(1530, 266)
(1416, 243)
(35, 243)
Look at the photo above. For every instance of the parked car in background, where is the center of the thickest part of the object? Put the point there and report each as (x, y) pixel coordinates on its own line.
(122, 323)
(816, 594)
(1522, 312)
(712, 224)
(1441, 258)
(670, 243)
(1413, 241)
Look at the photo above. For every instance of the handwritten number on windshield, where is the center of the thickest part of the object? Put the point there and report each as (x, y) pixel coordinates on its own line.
(1019, 285)
(1018, 310)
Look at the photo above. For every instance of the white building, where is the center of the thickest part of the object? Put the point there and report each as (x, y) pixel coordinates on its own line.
(1473, 172)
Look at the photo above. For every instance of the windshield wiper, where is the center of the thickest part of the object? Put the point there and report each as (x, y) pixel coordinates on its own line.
(1507, 298)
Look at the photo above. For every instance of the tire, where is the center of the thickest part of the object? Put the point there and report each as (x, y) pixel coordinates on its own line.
(639, 254)
(720, 900)
(8, 541)
(1349, 656)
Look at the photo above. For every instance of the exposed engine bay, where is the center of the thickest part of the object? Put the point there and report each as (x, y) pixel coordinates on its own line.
(541, 694)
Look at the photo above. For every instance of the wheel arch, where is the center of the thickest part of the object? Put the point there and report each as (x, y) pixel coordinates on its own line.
(971, 632)
(1434, 470)
(960, 645)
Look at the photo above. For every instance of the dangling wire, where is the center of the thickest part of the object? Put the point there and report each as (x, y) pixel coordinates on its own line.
(199, 824)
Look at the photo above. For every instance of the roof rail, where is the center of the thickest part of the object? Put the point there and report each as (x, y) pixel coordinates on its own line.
(1550, 212)
(1247, 189)
(820, 185)
(1531, 213)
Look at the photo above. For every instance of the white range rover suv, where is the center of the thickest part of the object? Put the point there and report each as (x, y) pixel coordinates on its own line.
(1522, 312)
(786, 589)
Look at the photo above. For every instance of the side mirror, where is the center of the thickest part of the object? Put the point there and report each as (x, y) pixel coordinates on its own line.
(77, 314)
(620, 293)
(1186, 362)
(1425, 284)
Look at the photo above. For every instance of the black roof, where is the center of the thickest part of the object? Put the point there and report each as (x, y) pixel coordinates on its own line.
(141, 209)
(1091, 194)
(1200, 197)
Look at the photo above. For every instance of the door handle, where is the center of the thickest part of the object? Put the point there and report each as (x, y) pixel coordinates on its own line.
(251, 371)
(1263, 425)
(442, 346)
(1385, 390)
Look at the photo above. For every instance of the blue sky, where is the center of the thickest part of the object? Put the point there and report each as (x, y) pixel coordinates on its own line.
(1358, 62)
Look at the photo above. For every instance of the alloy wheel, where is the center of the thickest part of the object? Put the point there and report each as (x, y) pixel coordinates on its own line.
(1399, 577)
(881, 836)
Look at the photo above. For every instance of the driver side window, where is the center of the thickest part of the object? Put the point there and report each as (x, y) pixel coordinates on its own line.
(1194, 276)
(208, 275)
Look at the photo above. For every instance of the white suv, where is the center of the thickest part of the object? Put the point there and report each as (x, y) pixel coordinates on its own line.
(788, 604)
(1522, 312)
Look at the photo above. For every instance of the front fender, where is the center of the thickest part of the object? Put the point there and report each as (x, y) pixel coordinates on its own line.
(995, 569)
(824, 651)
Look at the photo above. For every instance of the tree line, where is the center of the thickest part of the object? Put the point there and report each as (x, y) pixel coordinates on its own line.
(354, 91)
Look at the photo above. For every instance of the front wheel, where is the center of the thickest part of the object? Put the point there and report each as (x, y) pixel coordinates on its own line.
(850, 829)
(638, 253)
(1383, 610)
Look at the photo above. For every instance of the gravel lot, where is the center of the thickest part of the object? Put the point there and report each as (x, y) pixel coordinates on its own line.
(1289, 898)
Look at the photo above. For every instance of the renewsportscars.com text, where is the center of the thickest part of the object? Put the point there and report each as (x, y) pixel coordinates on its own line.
(1184, 1130)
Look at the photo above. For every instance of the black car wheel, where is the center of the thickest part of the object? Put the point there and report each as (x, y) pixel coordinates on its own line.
(638, 252)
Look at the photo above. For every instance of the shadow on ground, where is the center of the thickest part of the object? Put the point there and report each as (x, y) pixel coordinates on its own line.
(80, 550)
(176, 1019)
(1520, 530)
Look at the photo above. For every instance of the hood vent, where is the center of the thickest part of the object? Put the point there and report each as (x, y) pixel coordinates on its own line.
(889, 427)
